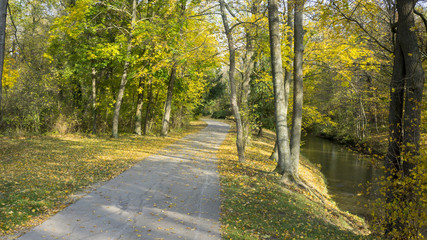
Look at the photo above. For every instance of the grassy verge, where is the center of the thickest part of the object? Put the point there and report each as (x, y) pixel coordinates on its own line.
(255, 206)
(41, 175)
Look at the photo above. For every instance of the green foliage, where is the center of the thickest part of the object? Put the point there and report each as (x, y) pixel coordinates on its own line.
(345, 75)
(97, 41)
(221, 114)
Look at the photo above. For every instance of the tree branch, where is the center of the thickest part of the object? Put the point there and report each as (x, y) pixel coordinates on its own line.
(422, 17)
(351, 19)
(19, 44)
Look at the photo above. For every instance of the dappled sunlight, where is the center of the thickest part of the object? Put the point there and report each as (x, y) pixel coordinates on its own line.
(60, 165)
(256, 206)
(173, 194)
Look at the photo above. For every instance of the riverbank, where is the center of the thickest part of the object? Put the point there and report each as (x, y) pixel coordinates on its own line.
(374, 145)
(256, 206)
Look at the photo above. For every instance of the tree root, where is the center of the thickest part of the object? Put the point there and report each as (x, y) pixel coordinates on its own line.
(290, 180)
(295, 182)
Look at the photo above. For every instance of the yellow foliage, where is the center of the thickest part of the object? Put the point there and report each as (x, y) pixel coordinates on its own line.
(10, 74)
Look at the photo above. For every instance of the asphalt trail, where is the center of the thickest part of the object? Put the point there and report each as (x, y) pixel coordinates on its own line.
(171, 195)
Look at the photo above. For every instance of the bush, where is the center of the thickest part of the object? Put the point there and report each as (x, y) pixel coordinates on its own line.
(221, 114)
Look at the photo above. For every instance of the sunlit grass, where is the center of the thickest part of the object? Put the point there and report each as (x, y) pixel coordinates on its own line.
(256, 206)
(41, 175)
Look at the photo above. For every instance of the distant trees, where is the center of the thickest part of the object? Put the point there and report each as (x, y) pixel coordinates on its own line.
(100, 66)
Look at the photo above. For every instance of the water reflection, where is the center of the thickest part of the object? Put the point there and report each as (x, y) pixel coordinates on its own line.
(344, 171)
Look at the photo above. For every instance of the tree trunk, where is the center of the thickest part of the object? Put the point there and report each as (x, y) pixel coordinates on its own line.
(280, 97)
(168, 103)
(139, 103)
(298, 91)
(3, 15)
(275, 155)
(248, 68)
(406, 89)
(233, 94)
(124, 79)
(260, 132)
(94, 108)
(148, 110)
(414, 78)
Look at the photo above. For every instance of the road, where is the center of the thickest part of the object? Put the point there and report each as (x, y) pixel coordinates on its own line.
(171, 195)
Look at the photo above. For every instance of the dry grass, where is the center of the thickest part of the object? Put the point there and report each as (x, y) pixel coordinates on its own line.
(256, 206)
(41, 175)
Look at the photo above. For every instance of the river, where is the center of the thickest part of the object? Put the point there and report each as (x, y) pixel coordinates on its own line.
(344, 171)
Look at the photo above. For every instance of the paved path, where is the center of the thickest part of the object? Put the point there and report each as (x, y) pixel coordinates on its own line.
(171, 195)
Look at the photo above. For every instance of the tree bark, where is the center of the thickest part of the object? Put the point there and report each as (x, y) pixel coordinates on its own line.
(168, 103)
(139, 103)
(94, 108)
(406, 89)
(298, 90)
(248, 68)
(3, 15)
(148, 109)
(280, 97)
(415, 78)
(115, 133)
(233, 94)
(275, 155)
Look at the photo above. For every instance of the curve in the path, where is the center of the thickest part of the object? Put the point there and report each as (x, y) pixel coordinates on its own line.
(171, 195)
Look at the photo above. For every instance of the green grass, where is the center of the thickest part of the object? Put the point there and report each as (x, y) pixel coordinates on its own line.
(41, 175)
(256, 206)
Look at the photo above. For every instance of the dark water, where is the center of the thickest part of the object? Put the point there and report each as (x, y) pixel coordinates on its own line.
(344, 171)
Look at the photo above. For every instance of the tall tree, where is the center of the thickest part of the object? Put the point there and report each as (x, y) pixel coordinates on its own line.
(288, 162)
(139, 103)
(94, 101)
(406, 91)
(298, 87)
(168, 103)
(3, 14)
(124, 79)
(280, 96)
(233, 92)
(280, 164)
(248, 65)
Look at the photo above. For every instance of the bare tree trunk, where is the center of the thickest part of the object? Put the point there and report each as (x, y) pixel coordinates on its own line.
(298, 91)
(124, 79)
(3, 15)
(139, 103)
(248, 68)
(233, 94)
(415, 78)
(287, 80)
(94, 108)
(168, 103)
(148, 110)
(280, 97)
